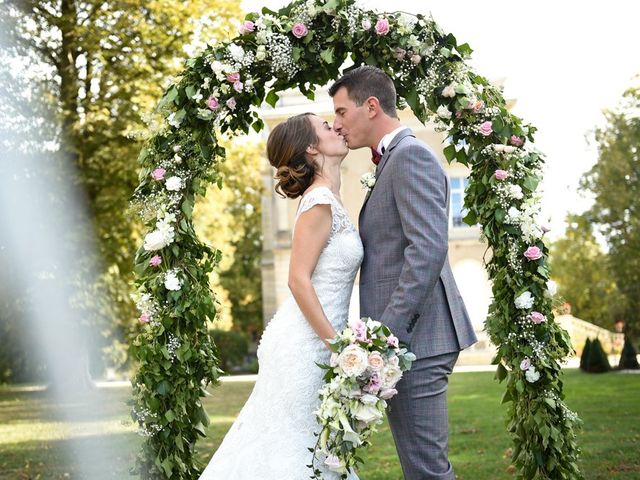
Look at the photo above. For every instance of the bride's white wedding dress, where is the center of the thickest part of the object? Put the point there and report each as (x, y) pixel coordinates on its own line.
(272, 434)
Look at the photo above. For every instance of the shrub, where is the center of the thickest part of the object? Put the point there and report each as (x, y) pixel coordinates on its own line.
(584, 356)
(597, 361)
(232, 348)
(628, 356)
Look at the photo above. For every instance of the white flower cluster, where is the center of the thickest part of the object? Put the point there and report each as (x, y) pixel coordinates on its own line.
(163, 235)
(172, 346)
(527, 219)
(147, 422)
(515, 258)
(281, 54)
(172, 281)
(368, 180)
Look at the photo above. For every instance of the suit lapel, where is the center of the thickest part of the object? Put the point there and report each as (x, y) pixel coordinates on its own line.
(385, 157)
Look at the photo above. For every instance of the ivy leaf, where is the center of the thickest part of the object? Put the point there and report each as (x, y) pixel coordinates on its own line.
(272, 98)
(327, 55)
(501, 373)
(470, 218)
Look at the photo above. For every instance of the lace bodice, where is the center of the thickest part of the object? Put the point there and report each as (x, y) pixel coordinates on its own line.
(271, 436)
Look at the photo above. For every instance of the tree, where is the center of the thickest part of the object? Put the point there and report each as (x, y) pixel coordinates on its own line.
(230, 218)
(581, 268)
(88, 72)
(614, 181)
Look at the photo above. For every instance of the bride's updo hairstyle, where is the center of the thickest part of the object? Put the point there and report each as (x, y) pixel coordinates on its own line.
(287, 152)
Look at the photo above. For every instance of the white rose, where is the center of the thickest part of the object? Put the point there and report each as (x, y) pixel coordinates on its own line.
(532, 375)
(236, 52)
(367, 413)
(449, 91)
(443, 112)
(515, 191)
(524, 301)
(353, 360)
(155, 240)
(172, 282)
(173, 184)
(552, 288)
(369, 399)
(390, 376)
(508, 149)
(513, 215)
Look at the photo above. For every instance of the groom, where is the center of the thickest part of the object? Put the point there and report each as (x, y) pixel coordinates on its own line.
(405, 279)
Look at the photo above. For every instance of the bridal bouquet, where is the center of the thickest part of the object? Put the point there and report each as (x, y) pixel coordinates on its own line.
(366, 364)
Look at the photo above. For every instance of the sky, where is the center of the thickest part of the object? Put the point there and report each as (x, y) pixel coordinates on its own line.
(563, 63)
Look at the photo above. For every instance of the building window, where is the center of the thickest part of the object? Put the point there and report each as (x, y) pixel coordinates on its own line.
(458, 212)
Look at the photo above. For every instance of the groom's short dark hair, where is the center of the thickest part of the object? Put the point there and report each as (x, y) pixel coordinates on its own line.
(367, 81)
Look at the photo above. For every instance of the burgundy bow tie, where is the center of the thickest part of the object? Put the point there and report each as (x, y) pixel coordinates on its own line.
(375, 156)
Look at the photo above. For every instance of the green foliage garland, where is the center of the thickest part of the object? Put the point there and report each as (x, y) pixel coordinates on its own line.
(301, 46)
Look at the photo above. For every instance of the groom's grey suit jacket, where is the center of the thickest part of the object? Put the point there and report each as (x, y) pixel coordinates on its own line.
(405, 279)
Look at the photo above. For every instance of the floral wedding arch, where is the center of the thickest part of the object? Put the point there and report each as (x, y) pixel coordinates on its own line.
(303, 46)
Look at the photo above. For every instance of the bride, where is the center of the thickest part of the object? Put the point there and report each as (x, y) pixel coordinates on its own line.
(271, 437)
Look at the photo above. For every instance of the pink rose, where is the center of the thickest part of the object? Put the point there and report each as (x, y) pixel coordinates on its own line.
(158, 174)
(400, 53)
(416, 59)
(516, 141)
(525, 364)
(145, 318)
(233, 77)
(155, 260)
(533, 253)
(366, 24)
(375, 361)
(247, 27)
(387, 393)
(392, 341)
(486, 128)
(501, 174)
(231, 103)
(477, 106)
(212, 103)
(299, 30)
(238, 86)
(382, 26)
(537, 318)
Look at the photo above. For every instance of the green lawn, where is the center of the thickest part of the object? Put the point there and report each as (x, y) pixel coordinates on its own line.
(35, 444)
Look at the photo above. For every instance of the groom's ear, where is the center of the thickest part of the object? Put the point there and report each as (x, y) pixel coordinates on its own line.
(373, 107)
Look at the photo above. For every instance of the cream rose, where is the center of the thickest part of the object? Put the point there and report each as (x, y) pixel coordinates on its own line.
(376, 362)
(390, 376)
(353, 360)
